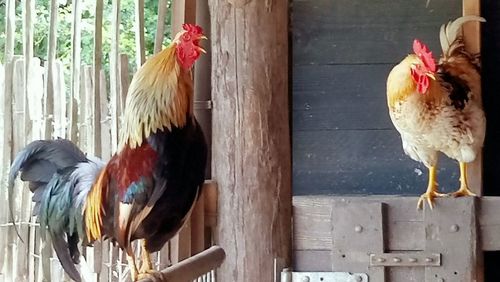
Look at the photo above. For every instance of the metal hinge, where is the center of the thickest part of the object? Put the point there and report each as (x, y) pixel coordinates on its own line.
(290, 276)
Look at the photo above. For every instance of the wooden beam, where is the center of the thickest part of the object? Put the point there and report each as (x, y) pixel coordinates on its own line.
(251, 137)
(472, 38)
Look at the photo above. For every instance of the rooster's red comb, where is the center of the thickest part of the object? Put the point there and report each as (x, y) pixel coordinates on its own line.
(421, 50)
(192, 28)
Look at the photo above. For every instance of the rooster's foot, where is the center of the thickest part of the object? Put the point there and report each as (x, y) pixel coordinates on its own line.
(429, 196)
(463, 191)
(151, 275)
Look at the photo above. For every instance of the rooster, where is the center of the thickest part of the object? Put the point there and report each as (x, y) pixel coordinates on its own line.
(148, 188)
(438, 108)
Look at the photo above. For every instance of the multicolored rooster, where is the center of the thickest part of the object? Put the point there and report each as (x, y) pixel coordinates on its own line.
(147, 189)
(438, 108)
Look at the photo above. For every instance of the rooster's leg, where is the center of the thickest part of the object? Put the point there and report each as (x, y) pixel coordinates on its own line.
(134, 274)
(464, 187)
(431, 192)
(147, 265)
(147, 271)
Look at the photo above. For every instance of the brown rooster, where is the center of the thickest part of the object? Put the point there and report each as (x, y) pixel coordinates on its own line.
(438, 108)
(148, 188)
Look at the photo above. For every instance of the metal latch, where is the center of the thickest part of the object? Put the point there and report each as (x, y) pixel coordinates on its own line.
(290, 276)
(405, 259)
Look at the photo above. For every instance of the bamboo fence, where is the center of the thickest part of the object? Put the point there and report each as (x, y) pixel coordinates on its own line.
(35, 104)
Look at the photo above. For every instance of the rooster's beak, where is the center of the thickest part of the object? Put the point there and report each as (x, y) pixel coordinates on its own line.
(199, 48)
(431, 75)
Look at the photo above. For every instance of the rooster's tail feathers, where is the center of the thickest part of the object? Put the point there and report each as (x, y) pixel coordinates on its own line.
(450, 34)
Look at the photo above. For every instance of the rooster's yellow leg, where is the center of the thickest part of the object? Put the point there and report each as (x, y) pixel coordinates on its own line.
(464, 187)
(147, 265)
(147, 271)
(134, 274)
(431, 192)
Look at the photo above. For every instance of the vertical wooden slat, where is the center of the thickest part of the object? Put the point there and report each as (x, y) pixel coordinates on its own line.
(18, 249)
(452, 232)
(123, 81)
(114, 72)
(28, 15)
(51, 57)
(59, 101)
(198, 226)
(351, 248)
(160, 25)
(6, 111)
(139, 33)
(89, 109)
(183, 11)
(76, 34)
(96, 122)
(105, 120)
(181, 244)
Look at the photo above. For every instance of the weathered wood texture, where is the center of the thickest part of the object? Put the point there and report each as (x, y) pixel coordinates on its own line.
(251, 145)
(343, 139)
(326, 228)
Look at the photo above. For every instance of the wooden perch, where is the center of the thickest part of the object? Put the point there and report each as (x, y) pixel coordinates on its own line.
(192, 267)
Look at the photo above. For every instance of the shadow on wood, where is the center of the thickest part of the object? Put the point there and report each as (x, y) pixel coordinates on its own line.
(191, 268)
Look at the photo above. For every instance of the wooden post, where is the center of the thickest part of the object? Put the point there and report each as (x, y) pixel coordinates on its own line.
(202, 81)
(472, 38)
(251, 143)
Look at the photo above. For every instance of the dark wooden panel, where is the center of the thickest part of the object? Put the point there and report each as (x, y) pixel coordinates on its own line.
(340, 97)
(360, 32)
(491, 89)
(360, 162)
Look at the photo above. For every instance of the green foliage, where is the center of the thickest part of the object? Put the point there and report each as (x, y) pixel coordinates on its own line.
(64, 29)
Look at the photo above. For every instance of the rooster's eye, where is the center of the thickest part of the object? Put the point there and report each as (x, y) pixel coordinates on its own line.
(186, 37)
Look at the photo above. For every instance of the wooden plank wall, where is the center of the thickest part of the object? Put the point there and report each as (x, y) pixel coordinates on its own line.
(343, 139)
(491, 155)
(87, 115)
